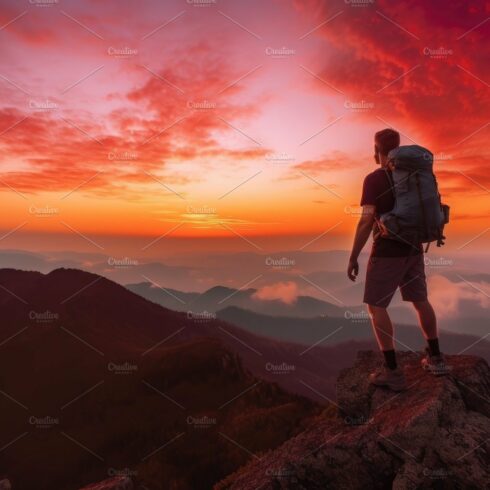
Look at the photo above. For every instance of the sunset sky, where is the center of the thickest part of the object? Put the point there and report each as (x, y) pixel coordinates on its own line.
(232, 119)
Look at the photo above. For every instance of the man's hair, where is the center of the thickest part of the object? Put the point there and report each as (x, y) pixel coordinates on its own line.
(386, 140)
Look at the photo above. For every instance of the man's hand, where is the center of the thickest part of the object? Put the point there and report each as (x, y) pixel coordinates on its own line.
(353, 269)
(363, 231)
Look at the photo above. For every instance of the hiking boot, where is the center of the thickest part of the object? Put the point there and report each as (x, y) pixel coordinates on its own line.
(394, 379)
(435, 365)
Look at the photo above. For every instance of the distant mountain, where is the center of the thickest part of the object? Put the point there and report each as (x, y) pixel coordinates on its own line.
(185, 272)
(470, 324)
(172, 299)
(97, 316)
(337, 330)
(96, 381)
(219, 297)
(461, 300)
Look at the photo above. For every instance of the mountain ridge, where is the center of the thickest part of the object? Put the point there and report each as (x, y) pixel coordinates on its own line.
(102, 318)
(356, 327)
(219, 296)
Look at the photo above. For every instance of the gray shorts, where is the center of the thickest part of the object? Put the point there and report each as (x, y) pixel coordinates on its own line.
(385, 274)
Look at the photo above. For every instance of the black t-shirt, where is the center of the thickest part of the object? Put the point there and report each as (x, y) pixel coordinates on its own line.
(377, 191)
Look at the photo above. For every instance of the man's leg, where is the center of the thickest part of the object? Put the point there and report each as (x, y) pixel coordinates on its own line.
(383, 331)
(433, 361)
(390, 375)
(382, 327)
(428, 324)
(414, 289)
(382, 279)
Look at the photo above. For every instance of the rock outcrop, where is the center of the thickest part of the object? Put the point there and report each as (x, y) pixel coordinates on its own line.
(434, 435)
(5, 485)
(116, 483)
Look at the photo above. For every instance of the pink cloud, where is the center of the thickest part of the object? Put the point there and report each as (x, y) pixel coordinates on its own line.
(422, 63)
(174, 113)
(446, 295)
(287, 292)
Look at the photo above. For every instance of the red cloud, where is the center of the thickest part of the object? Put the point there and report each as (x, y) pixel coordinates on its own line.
(336, 161)
(423, 63)
(175, 114)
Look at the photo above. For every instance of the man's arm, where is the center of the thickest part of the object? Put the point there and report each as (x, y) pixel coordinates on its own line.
(363, 230)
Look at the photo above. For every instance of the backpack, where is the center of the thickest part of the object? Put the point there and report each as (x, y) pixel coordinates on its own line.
(418, 215)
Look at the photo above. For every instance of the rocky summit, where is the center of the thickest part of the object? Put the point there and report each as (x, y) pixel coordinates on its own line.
(433, 435)
(115, 483)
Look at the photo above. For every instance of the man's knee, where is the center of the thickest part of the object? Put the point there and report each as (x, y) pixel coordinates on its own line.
(422, 305)
(376, 310)
(378, 315)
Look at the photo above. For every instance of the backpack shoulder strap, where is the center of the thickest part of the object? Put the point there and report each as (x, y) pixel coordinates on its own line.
(377, 226)
(391, 182)
(421, 202)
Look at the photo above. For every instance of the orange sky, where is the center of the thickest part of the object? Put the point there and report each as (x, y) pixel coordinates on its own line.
(233, 119)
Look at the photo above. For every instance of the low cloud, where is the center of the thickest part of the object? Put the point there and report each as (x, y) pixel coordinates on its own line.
(446, 296)
(287, 292)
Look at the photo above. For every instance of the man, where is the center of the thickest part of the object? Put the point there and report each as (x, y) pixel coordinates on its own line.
(392, 264)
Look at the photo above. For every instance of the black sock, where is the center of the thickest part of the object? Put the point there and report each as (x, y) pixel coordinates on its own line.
(390, 359)
(434, 347)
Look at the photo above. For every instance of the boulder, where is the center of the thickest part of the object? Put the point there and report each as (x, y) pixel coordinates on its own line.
(116, 483)
(5, 484)
(434, 435)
